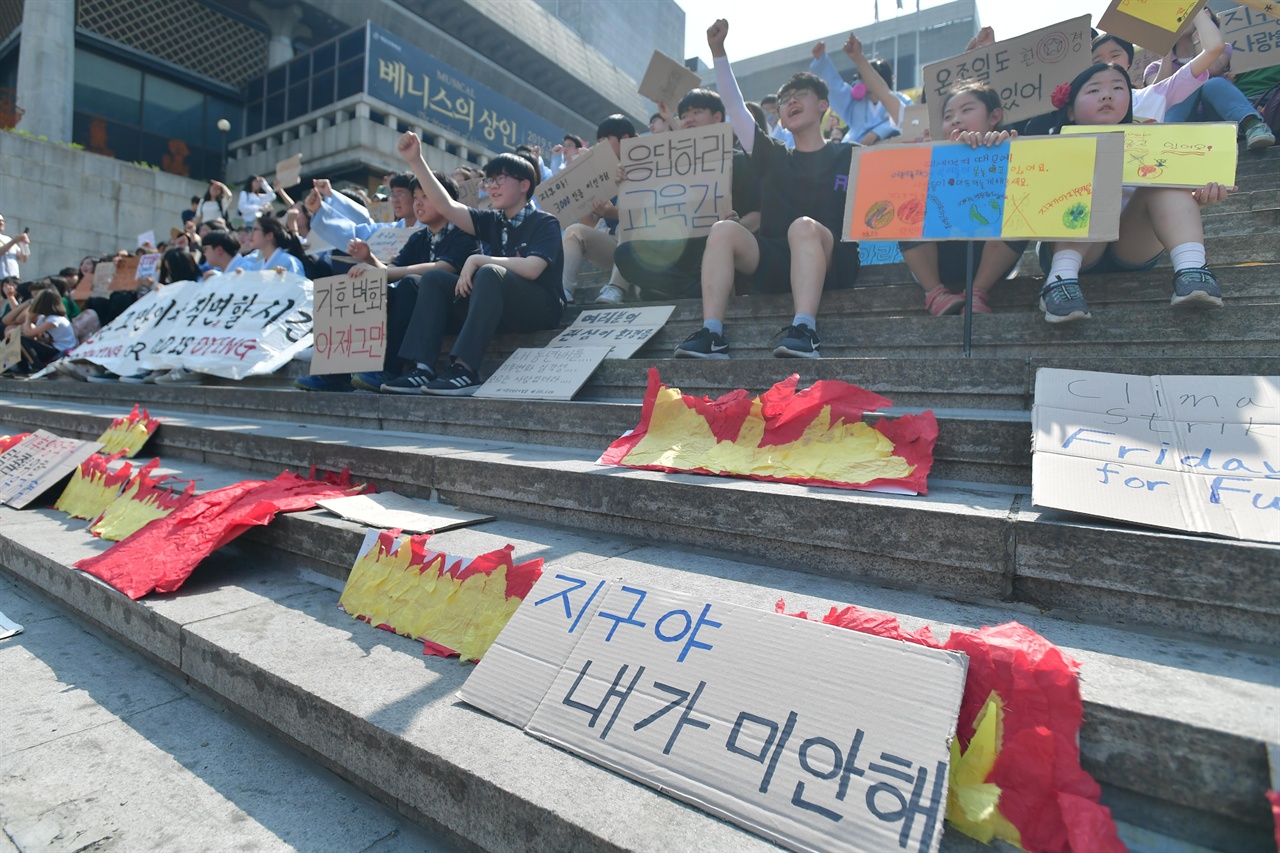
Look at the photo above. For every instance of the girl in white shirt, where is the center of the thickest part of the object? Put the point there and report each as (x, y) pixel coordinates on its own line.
(254, 198)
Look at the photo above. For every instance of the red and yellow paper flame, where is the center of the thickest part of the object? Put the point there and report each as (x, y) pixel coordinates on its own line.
(812, 437)
(129, 433)
(455, 606)
(93, 487)
(143, 500)
(8, 441)
(1015, 764)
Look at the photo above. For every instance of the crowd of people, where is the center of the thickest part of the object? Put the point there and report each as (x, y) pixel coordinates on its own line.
(510, 267)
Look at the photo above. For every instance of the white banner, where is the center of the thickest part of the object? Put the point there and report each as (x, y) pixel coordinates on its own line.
(233, 326)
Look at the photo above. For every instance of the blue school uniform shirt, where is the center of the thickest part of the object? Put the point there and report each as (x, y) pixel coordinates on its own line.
(531, 233)
(861, 116)
(450, 244)
(253, 262)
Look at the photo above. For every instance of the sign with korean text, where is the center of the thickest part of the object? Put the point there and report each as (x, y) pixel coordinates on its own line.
(233, 325)
(1254, 37)
(677, 185)
(1196, 454)
(1154, 24)
(125, 276)
(289, 171)
(148, 268)
(386, 243)
(37, 463)
(590, 177)
(1034, 188)
(471, 194)
(543, 374)
(103, 274)
(1023, 70)
(813, 736)
(622, 330)
(667, 81)
(1173, 155)
(412, 80)
(350, 322)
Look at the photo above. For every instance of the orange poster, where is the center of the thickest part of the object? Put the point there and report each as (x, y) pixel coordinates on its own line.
(888, 193)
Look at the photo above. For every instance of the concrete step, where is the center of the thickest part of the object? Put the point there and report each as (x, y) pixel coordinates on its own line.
(1175, 729)
(972, 541)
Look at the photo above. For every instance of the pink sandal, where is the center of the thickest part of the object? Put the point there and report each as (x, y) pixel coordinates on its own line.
(940, 301)
(980, 302)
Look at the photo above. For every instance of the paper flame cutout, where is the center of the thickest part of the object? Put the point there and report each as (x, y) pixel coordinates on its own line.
(129, 433)
(8, 441)
(143, 500)
(812, 437)
(92, 487)
(455, 606)
(1017, 744)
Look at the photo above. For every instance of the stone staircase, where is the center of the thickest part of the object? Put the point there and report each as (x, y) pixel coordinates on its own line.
(1176, 633)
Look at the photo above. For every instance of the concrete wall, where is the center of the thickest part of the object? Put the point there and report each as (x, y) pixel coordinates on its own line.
(78, 204)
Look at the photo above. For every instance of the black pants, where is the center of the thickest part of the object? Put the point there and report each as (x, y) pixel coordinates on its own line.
(401, 296)
(110, 307)
(662, 269)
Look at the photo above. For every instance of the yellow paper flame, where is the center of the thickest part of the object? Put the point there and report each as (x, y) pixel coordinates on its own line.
(972, 801)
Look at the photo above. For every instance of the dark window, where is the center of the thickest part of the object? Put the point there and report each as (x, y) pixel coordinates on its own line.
(107, 88)
(299, 100)
(350, 79)
(351, 45)
(322, 89)
(171, 110)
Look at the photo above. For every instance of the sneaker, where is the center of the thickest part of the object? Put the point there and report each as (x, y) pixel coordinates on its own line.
(940, 302)
(137, 378)
(373, 380)
(411, 383)
(81, 370)
(1259, 136)
(703, 343)
(568, 296)
(1063, 302)
(106, 378)
(178, 376)
(800, 342)
(325, 382)
(980, 305)
(610, 294)
(457, 381)
(1196, 287)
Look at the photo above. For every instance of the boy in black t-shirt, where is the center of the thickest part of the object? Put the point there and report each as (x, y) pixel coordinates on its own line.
(516, 289)
(801, 215)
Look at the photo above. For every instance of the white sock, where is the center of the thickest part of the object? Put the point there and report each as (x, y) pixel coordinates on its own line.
(1066, 264)
(1187, 256)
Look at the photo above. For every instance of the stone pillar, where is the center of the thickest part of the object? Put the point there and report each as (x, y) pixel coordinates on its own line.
(283, 22)
(46, 68)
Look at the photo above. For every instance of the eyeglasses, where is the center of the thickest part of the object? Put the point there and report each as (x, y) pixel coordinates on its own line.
(786, 100)
(486, 183)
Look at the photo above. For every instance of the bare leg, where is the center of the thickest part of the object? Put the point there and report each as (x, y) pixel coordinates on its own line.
(1157, 218)
(997, 260)
(811, 245)
(922, 260)
(730, 247)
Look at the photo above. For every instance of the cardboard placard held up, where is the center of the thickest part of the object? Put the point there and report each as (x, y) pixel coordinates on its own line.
(914, 126)
(1253, 35)
(104, 274)
(289, 171)
(386, 243)
(381, 211)
(677, 185)
(622, 330)
(350, 322)
(745, 713)
(35, 464)
(11, 355)
(1195, 454)
(543, 374)
(125, 276)
(1034, 188)
(147, 238)
(569, 194)
(148, 267)
(389, 510)
(1154, 24)
(1173, 155)
(83, 290)
(1023, 70)
(470, 194)
(667, 80)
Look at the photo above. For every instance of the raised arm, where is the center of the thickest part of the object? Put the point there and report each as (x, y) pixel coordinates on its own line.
(839, 93)
(735, 108)
(1211, 44)
(875, 84)
(410, 148)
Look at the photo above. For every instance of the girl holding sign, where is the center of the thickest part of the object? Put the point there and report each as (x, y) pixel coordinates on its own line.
(1152, 219)
(971, 113)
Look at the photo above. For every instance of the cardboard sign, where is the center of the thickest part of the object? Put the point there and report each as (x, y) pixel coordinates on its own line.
(470, 194)
(813, 736)
(103, 274)
(1034, 188)
(289, 171)
(83, 290)
(1024, 70)
(1270, 7)
(350, 322)
(148, 267)
(914, 126)
(543, 374)
(381, 211)
(386, 243)
(570, 193)
(37, 463)
(1154, 24)
(667, 81)
(622, 330)
(125, 276)
(678, 184)
(1197, 454)
(1173, 155)
(391, 511)
(11, 355)
(147, 238)
(1254, 37)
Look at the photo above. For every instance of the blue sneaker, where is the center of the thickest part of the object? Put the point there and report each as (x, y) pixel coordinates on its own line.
(1196, 287)
(1061, 301)
(326, 382)
(372, 380)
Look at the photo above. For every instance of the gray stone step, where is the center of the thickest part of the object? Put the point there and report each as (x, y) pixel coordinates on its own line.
(1175, 730)
(975, 542)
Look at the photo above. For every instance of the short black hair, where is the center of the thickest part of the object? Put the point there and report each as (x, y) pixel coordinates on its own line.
(402, 181)
(655, 117)
(1126, 46)
(515, 166)
(768, 99)
(757, 113)
(805, 80)
(575, 139)
(616, 125)
(195, 199)
(986, 95)
(224, 240)
(449, 184)
(701, 99)
(884, 69)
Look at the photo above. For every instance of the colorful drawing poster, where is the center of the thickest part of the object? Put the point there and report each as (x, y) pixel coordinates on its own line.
(1154, 24)
(1050, 188)
(888, 200)
(966, 190)
(1174, 155)
(1254, 37)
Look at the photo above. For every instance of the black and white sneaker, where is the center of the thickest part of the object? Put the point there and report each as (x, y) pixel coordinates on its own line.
(800, 342)
(1196, 287)
(457, 381)
(703, 343)
(411, 383)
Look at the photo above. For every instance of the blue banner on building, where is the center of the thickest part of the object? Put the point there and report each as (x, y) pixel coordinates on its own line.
(411, 80)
